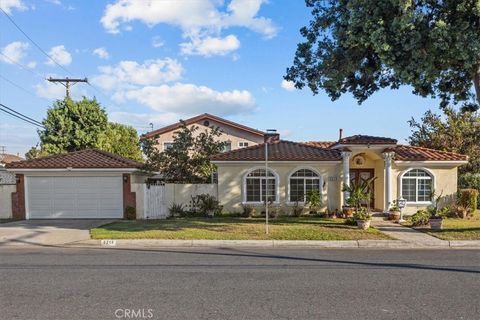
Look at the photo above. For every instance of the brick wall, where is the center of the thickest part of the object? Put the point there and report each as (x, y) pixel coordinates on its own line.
(18, 199)
(129, 197)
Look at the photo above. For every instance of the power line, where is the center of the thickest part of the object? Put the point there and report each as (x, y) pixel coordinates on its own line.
(22, 66)
(34, 43)
(18, 86)
(22, 117)
(38, 122)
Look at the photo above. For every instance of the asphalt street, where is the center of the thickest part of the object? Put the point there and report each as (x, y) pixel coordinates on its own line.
(74, 283)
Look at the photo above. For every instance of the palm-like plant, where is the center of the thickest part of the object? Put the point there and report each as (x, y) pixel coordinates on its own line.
(359, 192)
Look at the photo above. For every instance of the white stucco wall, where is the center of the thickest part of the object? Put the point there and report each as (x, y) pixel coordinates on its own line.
(6, 200)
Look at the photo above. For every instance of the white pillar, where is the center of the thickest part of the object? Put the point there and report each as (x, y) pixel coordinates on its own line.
(387, 157)
(346, 174)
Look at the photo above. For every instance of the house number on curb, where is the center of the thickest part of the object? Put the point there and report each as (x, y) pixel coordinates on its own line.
(109, 243)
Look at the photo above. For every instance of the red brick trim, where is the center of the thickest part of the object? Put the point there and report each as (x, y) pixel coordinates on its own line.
(129, 197)
(18, 199)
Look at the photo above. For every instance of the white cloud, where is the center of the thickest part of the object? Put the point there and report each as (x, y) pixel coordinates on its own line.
(183, 98)
(8, 5)
(130, 73)
(288, 85)
(32, 64)
(209, 46)
(102, 53)
(157, 42)
(204, 19)
(60, 55)
(14, 52)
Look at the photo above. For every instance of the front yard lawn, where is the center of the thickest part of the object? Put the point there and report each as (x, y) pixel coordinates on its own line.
(458, 229)
(228, 228)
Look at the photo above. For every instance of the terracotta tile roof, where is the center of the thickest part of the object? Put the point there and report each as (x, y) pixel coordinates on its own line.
(280, 151)
(84, 159)
(363, 139)
(201, 117)
(320, 144)
(411, 153)
(7, 158)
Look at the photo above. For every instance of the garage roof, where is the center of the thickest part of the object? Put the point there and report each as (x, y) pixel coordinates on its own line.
(84, 159)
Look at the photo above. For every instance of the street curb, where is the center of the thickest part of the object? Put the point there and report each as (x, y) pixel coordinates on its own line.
(392, 244)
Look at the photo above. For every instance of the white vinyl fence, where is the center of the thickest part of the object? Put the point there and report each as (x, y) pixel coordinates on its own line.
(159, 197)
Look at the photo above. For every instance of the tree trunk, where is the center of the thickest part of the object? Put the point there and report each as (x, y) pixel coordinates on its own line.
(476, 83)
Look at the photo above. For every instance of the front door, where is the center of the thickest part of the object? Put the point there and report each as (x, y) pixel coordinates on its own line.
(357, 175)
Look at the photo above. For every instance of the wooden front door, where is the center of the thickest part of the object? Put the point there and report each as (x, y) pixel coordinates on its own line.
(356, 175)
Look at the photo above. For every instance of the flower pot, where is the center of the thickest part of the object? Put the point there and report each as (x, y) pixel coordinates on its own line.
(394, 215)
(363, 224)
(347, 212)
(436, 224)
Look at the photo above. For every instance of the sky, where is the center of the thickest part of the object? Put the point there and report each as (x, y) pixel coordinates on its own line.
(158, 61)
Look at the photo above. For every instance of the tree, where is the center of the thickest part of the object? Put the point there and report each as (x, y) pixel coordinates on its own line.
(455, 131)
(362, 46)
(120, 139)
(188, 159)
(76, 125)
(72, 125)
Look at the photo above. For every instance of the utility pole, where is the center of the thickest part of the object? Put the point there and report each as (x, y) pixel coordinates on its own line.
(66, 83)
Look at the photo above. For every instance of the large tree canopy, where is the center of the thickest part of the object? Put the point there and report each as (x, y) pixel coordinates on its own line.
(455, 131)
(188, 159)
(75, 125)
(361, 46)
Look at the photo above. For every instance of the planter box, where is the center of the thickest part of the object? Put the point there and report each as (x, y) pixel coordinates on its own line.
(363, 224)
(436, 224)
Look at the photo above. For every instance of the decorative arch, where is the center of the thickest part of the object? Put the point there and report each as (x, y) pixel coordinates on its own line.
(416, 184)
(253, 188)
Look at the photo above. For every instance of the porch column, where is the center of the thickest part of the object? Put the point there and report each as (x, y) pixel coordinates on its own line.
(387, 157)
(346, 174)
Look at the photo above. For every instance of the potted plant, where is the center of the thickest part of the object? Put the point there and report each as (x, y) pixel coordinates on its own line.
(359, 192)
(363, 218)
(437, 214)
(314, 201)
(394, 212)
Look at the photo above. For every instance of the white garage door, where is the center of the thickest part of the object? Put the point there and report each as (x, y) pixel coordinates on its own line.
(74, 197)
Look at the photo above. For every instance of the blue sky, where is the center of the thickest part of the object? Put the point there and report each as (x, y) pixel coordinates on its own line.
(161, 60)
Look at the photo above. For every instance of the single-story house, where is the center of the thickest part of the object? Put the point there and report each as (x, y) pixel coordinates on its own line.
(82, 184)
(295, 168)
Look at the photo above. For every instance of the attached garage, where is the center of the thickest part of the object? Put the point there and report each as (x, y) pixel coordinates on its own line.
(87, 184)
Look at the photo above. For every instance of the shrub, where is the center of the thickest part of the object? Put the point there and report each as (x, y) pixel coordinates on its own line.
(467, 198)
(248, 211)
(297, 209)
(350, 222)
(420, 218)
(313, 200)
(470, 181)
(176, 210)
(205, 204)
(362, 214)
(130, 213)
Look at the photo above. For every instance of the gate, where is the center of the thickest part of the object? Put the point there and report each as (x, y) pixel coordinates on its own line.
(156, 206)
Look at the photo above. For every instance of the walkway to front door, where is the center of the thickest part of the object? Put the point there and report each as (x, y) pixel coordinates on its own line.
(357, 175)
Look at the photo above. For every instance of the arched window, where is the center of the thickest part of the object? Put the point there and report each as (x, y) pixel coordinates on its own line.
(417, 186)
(258, 183)
(301, 183)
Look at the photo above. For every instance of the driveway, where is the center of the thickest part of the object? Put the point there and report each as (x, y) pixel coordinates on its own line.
(47, 232)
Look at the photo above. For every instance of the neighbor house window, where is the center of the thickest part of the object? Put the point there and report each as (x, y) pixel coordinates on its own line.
(258, 183)
(417, 186)
(167, 145)
(243, 144)
(227, 146)
(302, 182)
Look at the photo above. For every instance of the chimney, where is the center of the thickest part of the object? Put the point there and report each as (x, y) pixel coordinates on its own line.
(340, 134)
(271, 136)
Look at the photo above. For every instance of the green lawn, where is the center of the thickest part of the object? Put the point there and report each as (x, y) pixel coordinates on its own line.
(228, 228)
(459, 229)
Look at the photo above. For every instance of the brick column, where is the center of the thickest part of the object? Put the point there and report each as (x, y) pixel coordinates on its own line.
(129, 197)
(18, 199)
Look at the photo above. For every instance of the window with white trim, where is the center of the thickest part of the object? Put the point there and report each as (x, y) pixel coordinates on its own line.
(417, 186)
(243, 144)
(167, 145)
(301, 183)
(258, 183)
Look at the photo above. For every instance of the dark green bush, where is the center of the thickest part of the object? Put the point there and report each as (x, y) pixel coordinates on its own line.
(248, 211)
(130, 213)
(470, 181)
(350, 221)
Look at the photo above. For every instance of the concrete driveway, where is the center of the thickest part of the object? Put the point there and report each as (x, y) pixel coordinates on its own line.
(47, 232)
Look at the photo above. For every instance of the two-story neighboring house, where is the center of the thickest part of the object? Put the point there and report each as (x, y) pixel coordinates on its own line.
(236, 135)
